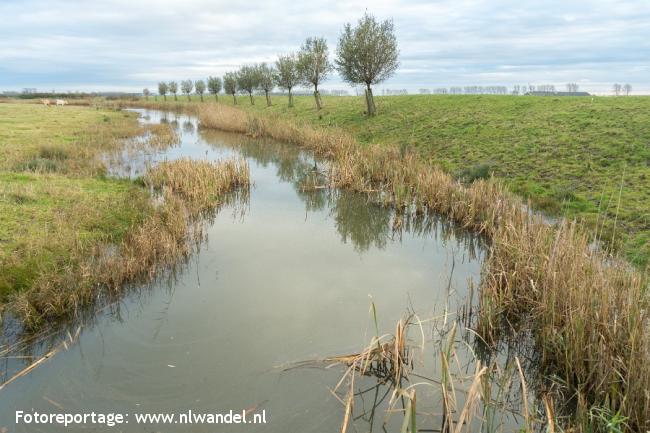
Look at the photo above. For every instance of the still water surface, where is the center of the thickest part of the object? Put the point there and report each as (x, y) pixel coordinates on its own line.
(287, 276)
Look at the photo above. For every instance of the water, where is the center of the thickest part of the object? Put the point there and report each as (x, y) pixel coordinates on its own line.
(289, 278)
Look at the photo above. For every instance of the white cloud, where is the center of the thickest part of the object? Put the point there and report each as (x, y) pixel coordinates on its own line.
(127, 44)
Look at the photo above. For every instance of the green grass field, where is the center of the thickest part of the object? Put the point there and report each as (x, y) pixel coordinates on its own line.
(587, 158)
(55, 202)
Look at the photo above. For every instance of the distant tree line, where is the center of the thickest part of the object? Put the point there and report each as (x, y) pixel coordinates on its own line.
(618, 89)
(622, 89)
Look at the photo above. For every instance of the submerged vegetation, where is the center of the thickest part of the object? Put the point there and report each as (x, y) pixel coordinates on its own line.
(585, 309)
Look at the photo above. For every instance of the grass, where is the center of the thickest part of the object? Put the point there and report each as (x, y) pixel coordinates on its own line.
(578, 157)
(54, 198)
(170, 232)
(67, 230)
(586, 309)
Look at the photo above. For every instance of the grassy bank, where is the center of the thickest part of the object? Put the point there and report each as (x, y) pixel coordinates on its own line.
(54, 198)
(586, 310)
(578, 157)
(68, 230)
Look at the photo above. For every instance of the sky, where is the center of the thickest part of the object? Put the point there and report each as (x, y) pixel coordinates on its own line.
(125, 45)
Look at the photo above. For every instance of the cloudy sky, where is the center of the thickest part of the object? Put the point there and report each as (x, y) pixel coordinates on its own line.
(129, 44)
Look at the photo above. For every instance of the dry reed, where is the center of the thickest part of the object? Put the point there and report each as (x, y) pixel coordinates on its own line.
(391, 360)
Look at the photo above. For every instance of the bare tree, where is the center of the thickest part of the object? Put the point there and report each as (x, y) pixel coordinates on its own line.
(173, 89)
(617, 89)
(546, 88)
(146, 93)
(572, 87)
(163, 88)
(287, 76)
(627, 88)
(230, 85)
(266, 78)
(248, 80)
(186, 87)
(214, 86)
(199, 86)
(314, 65)
(367, 54)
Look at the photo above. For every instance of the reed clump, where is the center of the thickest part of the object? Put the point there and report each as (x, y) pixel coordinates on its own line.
(467, 395)
(200, 184)
(587, 310)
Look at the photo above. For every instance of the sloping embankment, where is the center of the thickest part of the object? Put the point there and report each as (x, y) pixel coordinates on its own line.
(586, 309)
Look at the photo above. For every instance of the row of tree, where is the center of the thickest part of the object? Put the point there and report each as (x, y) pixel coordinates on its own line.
(517, 89)
(366, 55)
(263, 74)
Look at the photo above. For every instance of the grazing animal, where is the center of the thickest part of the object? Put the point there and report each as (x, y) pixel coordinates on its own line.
(46, 102)
(61, 102)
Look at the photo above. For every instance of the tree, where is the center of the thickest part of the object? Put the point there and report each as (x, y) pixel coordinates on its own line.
(266, 77)
(230, 85)
(163, 88)
(627, 88)
(173, 89)
(572, 87)
(248, 80)
(214, 86)
(186, 87)
(367, 54)
(287, 76)
(314, 65)
(199, 86)
(146, 93)
(617, 89)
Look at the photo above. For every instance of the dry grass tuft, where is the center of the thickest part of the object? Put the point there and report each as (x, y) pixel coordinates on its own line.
(391, 360)
(200, 184)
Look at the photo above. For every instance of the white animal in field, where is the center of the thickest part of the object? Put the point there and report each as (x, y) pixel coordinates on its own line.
(46, 102)
(61, 102)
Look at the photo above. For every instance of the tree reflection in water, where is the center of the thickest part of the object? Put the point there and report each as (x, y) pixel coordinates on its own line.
(359, 219)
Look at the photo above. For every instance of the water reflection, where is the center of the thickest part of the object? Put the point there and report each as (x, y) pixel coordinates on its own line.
(358, 219)
(284, 279)
(188, 127)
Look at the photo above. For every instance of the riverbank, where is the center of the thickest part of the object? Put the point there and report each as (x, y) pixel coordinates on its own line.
(68, 228)
(584, 158)
(586, 310)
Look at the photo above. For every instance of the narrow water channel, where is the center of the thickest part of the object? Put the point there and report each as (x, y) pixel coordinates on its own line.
(286, 276)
